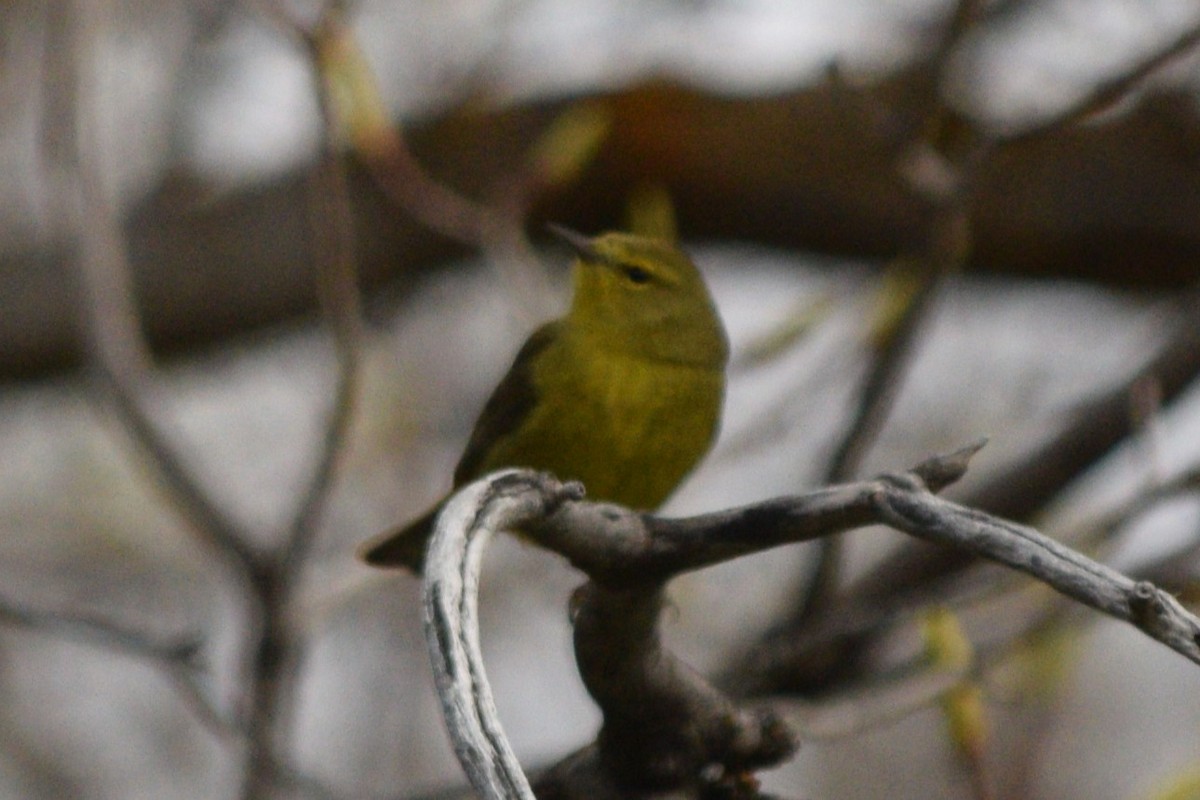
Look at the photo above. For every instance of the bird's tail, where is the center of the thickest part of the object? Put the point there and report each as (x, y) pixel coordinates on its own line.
(404, 547)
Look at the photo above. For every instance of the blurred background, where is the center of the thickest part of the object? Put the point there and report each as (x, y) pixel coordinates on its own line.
(261, 264)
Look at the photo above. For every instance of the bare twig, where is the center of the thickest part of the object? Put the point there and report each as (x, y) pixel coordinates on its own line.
(823, 651)
(885, 378)
(883, 383)
(116, 349)
(1021, 489)
(896, 690)
(1106, 527)
(177, 658)
(333, 226)
(869, 709)
(943, 167)
(1110, 92)
(1153, 611)
(121, 359)
(406, 182)
(277, 649)
(381, 144)
(101, 631)
(941, 174)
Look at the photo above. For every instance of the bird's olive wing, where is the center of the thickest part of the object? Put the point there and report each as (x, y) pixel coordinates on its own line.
(509, 405)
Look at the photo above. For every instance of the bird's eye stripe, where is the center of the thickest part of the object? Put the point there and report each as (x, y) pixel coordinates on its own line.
(637, 274)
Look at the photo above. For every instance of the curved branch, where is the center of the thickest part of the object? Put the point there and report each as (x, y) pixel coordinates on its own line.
(450, 602)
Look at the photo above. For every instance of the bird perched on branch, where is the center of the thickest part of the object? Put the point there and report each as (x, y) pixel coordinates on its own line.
(624, 393)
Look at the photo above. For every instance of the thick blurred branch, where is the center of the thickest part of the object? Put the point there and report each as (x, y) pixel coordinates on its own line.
(826, 183)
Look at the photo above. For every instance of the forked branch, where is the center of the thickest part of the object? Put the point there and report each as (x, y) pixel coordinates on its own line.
(665, 726)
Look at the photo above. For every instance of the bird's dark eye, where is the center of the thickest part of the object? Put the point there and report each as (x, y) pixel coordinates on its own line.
(636, 274)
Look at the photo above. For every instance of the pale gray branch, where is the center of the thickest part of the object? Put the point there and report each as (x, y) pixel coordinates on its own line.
(630, 556)
(1140, 603)
(451, 617)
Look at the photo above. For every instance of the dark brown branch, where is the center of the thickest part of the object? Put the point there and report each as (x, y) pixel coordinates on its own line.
(664, 723)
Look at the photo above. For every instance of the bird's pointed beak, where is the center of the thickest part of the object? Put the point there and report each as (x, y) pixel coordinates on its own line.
(581, 244)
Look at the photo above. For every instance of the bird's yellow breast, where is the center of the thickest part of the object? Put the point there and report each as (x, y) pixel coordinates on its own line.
(629, 428)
